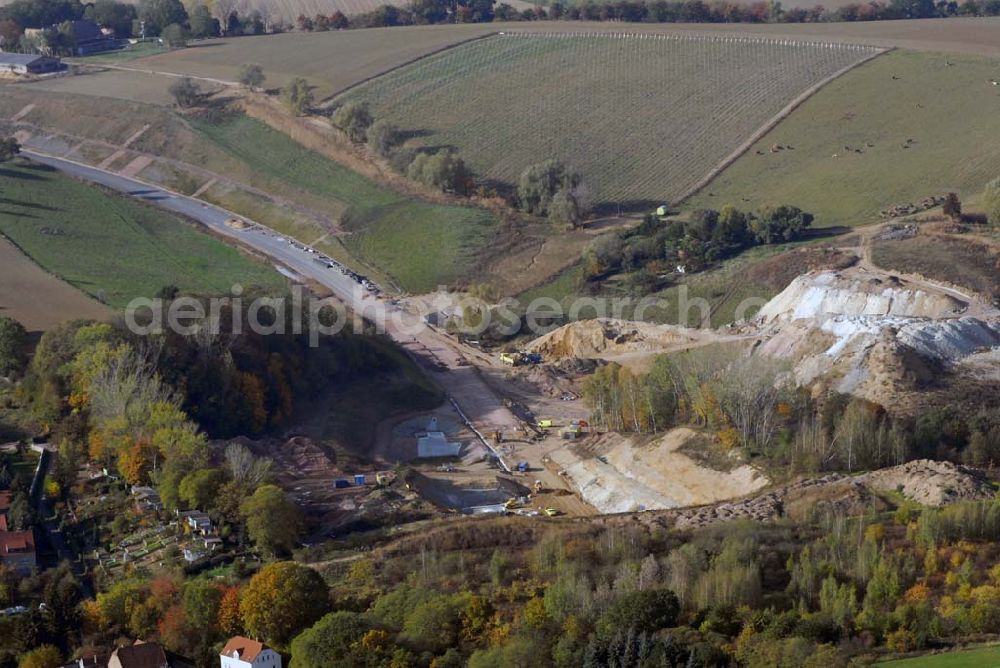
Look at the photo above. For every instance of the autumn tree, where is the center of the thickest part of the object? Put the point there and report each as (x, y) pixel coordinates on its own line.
(46, 656)
(281, 600)
(952, 207)
(272, 520)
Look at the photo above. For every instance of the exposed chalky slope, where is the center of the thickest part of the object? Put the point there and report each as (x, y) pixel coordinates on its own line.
(643, 117)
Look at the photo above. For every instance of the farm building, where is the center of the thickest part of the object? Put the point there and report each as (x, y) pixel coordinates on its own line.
(242, 652)
(17, 551)
(22, 63)
(86, 37)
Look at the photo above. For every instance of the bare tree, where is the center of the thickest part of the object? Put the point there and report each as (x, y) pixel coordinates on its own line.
(245, 467)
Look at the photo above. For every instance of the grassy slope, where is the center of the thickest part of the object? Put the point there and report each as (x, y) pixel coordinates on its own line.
(113, 247)
(951, 113)
(642, 119)
(984, 657)
(420, 245)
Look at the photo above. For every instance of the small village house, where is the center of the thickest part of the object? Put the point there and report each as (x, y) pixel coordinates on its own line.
(242, 652)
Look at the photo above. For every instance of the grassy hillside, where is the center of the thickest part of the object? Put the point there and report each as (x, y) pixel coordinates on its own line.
(417, 244)
(642, 117)
(420, 245)
(924, 124)
(113, 248)
(984, 657)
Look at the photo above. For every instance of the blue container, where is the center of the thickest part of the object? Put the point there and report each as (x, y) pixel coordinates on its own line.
(359, 480)
(341, 483)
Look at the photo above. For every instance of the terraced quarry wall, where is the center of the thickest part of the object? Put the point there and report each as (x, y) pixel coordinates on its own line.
(643, 117)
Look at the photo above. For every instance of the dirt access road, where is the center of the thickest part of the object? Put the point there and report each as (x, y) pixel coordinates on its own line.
(429, 347)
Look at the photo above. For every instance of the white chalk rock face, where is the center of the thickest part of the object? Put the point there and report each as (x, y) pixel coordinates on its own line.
(831, 293)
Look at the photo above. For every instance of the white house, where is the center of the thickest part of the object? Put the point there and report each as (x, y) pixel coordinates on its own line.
(242, 652)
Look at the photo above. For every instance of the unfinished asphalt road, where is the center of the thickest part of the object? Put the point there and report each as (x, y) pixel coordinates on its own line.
(459, 378)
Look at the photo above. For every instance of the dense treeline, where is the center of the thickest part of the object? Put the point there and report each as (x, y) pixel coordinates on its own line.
(657, 11)
(660, 246)
(146, 18)
(749, 402)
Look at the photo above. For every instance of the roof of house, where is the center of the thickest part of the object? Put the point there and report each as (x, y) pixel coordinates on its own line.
(3, 522)
(18, 58)
(86, 31)
(5, 497)
(246, 649)
(141, 655)
(16, 542)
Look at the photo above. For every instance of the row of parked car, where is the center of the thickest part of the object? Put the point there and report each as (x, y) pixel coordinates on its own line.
(330, 263)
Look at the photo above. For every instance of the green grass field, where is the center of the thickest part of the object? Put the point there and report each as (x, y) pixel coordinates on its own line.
(984, 657)
(642, 117)
(113, 248)
(944, 104)
(420, 245)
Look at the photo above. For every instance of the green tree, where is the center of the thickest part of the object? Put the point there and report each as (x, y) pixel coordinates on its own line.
(539, 184)
(185, 92)
(115, 15)
(778, 224)
(158, 14)
(202, 23)
(442, 170)
(251, 76)
(273, 521)
(354, 118)
(198, 488)
(383, 137)
(13, 347)
(9, 148)
(647, 610)
(281, 600)
(297, 96)
(331, 642)
(174, 36)
(991, 201)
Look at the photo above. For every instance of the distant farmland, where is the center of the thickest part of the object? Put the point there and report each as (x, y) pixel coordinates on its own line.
(643, 117)
(885, 133)
(331, 61)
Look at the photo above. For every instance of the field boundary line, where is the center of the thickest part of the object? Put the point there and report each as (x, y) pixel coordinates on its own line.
(16, 246)
(771, 123)
(423, 56)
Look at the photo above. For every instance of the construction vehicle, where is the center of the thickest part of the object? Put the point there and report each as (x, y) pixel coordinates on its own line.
(511, 503)
(520, 357)
(552, 512)
(575, 429)
(545, 424)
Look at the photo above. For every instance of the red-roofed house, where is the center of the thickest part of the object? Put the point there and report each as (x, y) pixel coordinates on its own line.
(17, 550)
(242, 652)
